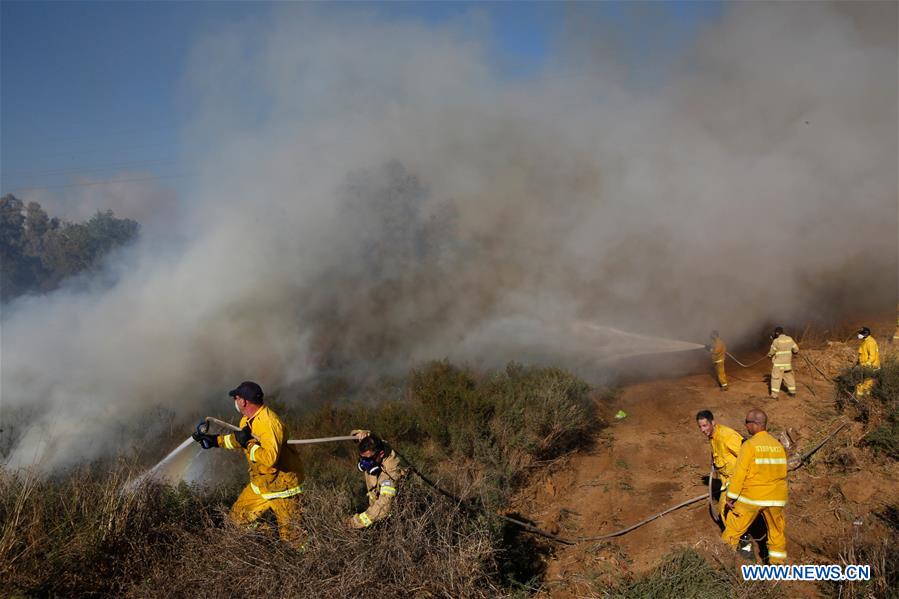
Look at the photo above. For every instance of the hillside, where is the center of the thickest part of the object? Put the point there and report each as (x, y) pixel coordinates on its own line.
(654, 458)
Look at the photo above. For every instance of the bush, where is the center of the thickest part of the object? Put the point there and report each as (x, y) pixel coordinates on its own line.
(474, 434)
(542, 411)
(481, 431)
(686, 574)
(80, 537)
(881, 410)
(881, 554)
(427, 548)
(884, 439)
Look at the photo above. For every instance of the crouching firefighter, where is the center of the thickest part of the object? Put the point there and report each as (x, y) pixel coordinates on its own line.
(380, 467)
(276, 472)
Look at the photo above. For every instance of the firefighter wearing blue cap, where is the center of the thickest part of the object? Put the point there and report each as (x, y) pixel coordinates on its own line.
(276, 472)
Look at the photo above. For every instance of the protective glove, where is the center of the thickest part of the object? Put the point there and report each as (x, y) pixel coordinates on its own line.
(707, 347)
(360, 433)
(243, 436)
(205, 440)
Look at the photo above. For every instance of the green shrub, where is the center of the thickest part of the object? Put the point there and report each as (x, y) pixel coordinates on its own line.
(542, 411)
(882, 409)
(487, 430)
(884, 439)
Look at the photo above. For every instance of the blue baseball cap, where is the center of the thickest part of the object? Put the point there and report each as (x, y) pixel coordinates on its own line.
(249, 390)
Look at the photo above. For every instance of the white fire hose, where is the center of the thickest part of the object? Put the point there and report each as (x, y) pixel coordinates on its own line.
(229, 426)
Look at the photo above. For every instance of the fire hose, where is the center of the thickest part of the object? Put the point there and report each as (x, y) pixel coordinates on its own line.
(524, 525)
(574, 541)
(731, 356)
(210, 420)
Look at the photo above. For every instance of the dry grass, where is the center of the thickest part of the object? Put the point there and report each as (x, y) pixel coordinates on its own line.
(685, 574)
(80, 537)
(478, 434)
(426, 549)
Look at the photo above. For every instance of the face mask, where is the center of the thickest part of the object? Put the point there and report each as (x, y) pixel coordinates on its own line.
(237, 408)
(369, 466)
(860, 336)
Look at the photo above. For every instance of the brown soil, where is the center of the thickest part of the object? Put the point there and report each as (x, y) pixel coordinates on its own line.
(654, 458)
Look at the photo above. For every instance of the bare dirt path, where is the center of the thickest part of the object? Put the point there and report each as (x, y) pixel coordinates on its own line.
(654, 458)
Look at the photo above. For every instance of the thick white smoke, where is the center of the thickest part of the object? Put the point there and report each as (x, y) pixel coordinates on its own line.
(378, 196)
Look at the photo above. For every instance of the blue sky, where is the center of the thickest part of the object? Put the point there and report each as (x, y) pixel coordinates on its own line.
(90, 88)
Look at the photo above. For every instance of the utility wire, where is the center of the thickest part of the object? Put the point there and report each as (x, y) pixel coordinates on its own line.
(88, 169)
(80, 151)
(88, 184)
(101, 134)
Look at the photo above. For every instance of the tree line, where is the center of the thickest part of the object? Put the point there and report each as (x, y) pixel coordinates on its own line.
(37, 252)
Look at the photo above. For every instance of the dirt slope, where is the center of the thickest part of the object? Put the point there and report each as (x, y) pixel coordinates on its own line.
(654, 458)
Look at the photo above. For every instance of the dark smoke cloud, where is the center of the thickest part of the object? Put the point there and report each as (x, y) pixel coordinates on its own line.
(378, 196)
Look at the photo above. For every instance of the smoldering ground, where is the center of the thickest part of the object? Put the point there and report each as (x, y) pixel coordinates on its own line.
(377, 194)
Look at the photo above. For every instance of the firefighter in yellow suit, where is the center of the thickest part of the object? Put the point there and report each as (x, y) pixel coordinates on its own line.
(718, 351)
(759, 485)
(868, 360)
(781, 353)
(276, 472)
(896, 334)
(725, 444)
(381, 470)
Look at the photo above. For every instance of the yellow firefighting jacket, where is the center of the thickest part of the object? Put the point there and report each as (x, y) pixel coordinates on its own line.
(760, 477)
(726, 443)
(275, 467)
(868, 353)
(781, 352)
(718, 350)
(381, 491)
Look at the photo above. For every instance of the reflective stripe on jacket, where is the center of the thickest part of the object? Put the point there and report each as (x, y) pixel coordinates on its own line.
(726, 443)
(869, 353)
(381, 491)
(781, 352)
(276, 470)
(760, 477)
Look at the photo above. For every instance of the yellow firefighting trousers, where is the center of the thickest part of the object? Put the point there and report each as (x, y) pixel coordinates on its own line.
(741, 517)
(288, 512)
(779, 374)
(719, 370)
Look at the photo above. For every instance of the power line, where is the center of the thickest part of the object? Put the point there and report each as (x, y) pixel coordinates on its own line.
(21, 189)
(31, 174)
(74, 152)
(95, 134)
